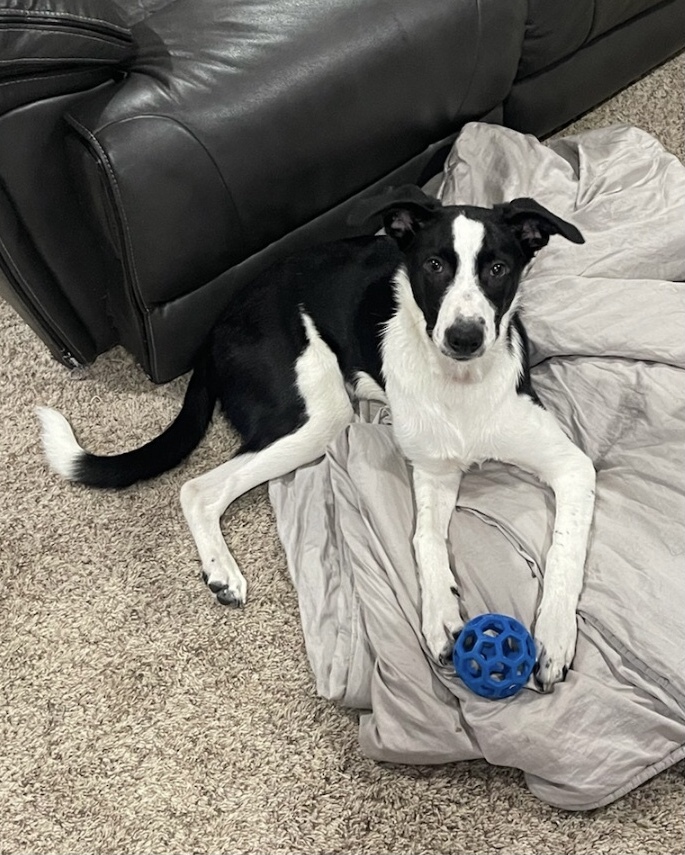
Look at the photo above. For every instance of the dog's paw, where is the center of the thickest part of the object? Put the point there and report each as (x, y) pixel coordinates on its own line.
(555, 644)
(226, 592)
(441, 623)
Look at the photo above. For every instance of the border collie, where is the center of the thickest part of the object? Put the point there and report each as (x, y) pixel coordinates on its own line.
(424, 318)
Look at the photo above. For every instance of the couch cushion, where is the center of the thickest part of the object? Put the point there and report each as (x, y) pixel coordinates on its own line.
(240, 122)
(610, 14)
(555, 29)
(543, 102)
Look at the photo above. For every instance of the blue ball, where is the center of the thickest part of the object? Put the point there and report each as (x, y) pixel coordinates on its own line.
(494, 656)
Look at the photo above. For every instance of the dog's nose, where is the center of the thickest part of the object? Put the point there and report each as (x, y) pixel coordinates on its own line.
(465, 338)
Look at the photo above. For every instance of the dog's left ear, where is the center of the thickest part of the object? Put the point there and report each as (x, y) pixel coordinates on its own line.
(534, 224)
(404, 210)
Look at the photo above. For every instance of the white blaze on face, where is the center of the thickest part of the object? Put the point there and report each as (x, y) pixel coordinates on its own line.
(464, 299)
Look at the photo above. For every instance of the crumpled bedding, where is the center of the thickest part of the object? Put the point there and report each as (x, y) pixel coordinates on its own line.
(607, 327)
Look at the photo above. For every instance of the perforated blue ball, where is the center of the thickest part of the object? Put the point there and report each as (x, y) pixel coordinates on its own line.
(494, 656)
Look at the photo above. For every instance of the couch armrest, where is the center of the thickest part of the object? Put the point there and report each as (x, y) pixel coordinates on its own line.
(50, 47)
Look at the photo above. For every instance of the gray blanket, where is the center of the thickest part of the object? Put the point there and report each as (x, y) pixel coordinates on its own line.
(607, 327)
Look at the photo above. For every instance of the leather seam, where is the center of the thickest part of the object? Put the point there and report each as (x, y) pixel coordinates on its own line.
(66, 36)
(476, 59)
(67, 16)
(19, 81)
(120, 217)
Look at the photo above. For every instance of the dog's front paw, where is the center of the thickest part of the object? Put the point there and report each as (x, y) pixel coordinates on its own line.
(441, 623)
(555, 644)
(228, 592)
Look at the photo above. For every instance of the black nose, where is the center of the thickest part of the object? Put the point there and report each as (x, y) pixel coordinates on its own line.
(465, 338)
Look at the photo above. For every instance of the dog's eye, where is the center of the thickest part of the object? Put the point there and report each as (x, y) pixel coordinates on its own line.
(498, 270)
(433, 265)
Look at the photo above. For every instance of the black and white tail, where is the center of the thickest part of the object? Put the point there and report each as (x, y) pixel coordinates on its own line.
(66, 457)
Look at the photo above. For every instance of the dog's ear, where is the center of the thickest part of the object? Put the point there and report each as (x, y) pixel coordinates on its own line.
(404, 210)
(533, 224)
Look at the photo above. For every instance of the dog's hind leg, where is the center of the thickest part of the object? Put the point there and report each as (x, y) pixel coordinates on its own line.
(205, 499)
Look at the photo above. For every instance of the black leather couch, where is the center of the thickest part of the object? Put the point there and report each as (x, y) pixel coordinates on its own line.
(156, 153)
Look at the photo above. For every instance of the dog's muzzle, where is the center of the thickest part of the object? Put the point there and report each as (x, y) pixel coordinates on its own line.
(465, 339)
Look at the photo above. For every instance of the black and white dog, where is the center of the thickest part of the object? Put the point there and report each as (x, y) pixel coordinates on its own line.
(424, 318)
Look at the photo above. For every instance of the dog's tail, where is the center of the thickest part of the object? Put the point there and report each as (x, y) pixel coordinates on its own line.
(66, 457)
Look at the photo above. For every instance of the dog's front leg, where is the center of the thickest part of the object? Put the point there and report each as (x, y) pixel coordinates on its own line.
(556, 625)
(435, 494)
(544, 449)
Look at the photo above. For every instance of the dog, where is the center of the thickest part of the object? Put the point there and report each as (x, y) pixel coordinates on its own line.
(425, 318)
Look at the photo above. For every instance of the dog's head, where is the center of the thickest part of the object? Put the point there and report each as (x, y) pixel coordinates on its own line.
(465, 263)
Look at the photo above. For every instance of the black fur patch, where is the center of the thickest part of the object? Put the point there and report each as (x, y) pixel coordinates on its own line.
(345, 287)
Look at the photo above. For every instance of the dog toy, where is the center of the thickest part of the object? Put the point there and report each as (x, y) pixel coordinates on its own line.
(494, 656)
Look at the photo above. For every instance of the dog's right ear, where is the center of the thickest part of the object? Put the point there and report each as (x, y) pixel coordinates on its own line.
(404, 210)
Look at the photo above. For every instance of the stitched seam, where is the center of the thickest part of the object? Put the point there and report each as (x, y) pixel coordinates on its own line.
(65, 32)
(646, 671)
(70, 60)
(121, 217)
(639, 778)
(115, 186)
(42, 78)
(592, 23)
(67, 16)
(62, 34)
(476, 60)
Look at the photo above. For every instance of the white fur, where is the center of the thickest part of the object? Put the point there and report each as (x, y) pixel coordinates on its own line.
(59, 443)
(448, 416)
(443, 409)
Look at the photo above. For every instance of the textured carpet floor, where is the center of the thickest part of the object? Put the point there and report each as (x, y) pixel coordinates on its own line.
(137, 716)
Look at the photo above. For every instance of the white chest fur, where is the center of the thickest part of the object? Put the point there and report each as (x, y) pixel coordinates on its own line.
(444, 410)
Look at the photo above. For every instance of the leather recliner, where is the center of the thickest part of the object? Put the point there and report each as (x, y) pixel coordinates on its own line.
(155, 155)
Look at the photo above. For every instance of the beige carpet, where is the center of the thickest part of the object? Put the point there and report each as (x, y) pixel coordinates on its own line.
(137, 716)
